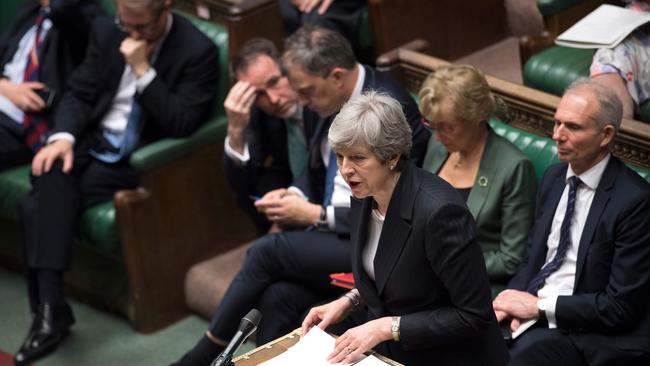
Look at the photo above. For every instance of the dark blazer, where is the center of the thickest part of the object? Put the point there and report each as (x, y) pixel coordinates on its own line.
(610, 306)
(62, 49)
(174, 104)
(502, 201)
(311, 182)
(430, 271)
(268, 167)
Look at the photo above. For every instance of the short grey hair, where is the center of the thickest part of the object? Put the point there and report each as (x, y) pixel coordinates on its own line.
(610, 108)
(375, 120)
(317, 51)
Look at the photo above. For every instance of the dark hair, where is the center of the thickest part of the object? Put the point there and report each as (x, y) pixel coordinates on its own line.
(317, 51)
(251, 50)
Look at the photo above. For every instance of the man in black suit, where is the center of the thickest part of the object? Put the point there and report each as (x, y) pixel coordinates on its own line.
(38, 52)
(266, 144)
(150, 74)
(285, 273)
(585, 287)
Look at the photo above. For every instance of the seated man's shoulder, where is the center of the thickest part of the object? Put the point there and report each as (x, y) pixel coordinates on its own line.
(192, 34)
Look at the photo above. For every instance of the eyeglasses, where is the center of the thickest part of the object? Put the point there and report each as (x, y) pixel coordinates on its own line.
(140, 28)
(443, 127)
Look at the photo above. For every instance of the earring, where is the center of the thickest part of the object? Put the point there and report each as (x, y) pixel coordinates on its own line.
(392, 167)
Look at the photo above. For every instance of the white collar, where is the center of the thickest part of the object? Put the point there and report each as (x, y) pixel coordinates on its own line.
(592, 176)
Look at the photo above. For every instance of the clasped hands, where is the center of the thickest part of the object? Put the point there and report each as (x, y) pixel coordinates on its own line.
(306, 6)
(516, 305)
(352, 344)
(286, 207)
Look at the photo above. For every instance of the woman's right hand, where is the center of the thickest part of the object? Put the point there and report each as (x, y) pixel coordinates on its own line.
(326, 315)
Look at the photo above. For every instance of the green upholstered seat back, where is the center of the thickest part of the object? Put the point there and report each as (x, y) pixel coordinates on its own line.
(7, 12)
(541, 151)
(550, 7)
(553, 69)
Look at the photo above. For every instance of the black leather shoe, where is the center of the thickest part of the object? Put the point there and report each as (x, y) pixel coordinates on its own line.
(49, 327)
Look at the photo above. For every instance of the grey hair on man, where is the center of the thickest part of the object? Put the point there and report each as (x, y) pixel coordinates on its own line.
(610, 108)
(375, 120)
(317, 51)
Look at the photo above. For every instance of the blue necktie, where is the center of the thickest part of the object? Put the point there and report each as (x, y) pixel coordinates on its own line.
(329, 179)
(565, 241)
(123, 141)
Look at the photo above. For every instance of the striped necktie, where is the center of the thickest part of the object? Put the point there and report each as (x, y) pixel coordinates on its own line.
(35, 124)
(565, 241)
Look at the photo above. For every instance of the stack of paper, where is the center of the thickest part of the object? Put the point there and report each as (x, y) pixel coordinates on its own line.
(313, 350)
(604, 27)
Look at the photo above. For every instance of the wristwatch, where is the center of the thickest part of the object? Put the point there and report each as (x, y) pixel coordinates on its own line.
(394, 328)
(321, 224)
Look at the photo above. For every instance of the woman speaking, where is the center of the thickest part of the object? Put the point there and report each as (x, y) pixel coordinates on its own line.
(422, 291)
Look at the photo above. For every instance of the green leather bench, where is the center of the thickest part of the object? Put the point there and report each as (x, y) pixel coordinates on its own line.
(541, 151)
(131, 255)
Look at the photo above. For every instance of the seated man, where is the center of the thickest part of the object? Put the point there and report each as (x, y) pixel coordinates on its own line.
(586, 282)
(285, 273)
(148, 75)
(338, 15)
(266, 145)
(38, 52)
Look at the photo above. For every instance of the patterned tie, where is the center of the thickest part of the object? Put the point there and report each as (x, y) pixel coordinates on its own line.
(35, 124)
(296, 146)
(565, 241)
(329, 179)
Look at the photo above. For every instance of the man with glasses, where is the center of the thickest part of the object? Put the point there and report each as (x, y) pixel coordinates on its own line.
(38, 52)
(149, 75)
(584, 290)
(266, 143)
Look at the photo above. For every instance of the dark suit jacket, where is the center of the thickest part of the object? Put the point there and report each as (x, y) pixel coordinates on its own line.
(610, 305)
(312, 181)
(268, 167)
(62, 50)
(502, 201)
(430, 271)
(174, 104)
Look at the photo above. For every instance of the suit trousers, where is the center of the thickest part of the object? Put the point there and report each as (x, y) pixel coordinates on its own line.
(51, 210)
(13, 150)
(283, 274)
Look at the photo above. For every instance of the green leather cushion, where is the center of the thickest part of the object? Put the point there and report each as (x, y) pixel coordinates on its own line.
(553, 69)
(550, 7)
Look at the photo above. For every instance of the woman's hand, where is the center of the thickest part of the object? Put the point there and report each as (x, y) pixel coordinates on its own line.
(352, 344)
(326, 315)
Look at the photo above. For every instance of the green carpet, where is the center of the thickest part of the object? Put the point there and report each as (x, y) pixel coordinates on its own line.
(97, 338)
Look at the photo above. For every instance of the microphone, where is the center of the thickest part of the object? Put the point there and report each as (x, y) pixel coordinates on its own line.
(247, 326)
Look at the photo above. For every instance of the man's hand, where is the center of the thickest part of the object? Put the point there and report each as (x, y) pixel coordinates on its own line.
(136, 53)
(519, 305)
(238, 105)
(305, 6)
(286, 207)
(22, 95)
(270, 199)
(59, 149)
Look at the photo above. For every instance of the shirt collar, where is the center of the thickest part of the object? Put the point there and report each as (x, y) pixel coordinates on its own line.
(592, 176)
(361, 78)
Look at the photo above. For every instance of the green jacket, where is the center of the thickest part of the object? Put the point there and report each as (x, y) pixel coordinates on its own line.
(502, 202)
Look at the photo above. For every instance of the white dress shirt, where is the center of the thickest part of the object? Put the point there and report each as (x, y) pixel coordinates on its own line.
(561, 282)
(14, 70)
(375, 224)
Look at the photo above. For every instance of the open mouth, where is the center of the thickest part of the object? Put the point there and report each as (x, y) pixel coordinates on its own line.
(353, 185)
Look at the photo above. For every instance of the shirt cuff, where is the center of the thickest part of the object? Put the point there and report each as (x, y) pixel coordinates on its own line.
(547, 305)
(143, 81)
(241, 159)
(298, 191)
(331, 219)
(61, 136)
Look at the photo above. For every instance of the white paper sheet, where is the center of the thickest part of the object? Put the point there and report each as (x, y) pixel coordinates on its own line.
(313, 350)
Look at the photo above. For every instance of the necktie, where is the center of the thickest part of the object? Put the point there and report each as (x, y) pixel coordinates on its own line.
(565, 241)
(296, 146)
(329, 179)
(35, 124)
(123, 141)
